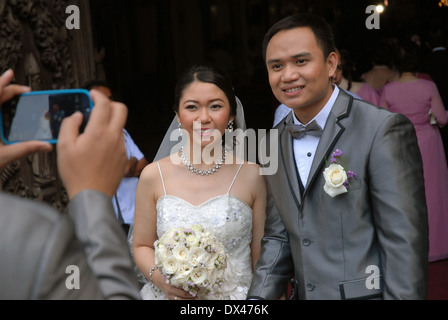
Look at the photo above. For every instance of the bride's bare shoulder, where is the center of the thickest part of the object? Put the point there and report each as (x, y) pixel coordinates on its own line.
(249, 169)
(152, 171)
(149, 172)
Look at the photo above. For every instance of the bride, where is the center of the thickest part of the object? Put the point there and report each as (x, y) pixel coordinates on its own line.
(182, 190)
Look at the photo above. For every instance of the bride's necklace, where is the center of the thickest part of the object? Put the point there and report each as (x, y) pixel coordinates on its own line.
(197, 171)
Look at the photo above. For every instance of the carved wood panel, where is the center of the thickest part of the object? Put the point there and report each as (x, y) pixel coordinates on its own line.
(44, 54)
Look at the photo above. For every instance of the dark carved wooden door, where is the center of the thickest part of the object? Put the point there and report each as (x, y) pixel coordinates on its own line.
(45, 54)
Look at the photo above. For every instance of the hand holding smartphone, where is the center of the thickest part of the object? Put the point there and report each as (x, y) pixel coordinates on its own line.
(38, 115)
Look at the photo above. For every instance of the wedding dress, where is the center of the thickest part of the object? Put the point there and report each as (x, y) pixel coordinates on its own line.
(229, 219)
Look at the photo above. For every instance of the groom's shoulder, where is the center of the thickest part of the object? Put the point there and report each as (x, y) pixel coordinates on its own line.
(361, 108)
(362, 104)
(372, 118)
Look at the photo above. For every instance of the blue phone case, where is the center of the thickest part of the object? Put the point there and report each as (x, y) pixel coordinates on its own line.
(49, 93)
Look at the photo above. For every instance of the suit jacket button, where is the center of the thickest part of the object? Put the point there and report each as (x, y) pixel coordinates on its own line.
(310, 286)
(306, 242)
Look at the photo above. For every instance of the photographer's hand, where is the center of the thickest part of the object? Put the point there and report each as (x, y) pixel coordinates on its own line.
(95, 159)
(17, 151)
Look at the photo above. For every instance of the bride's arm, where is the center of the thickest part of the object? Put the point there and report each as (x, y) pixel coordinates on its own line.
(145, 230)
(259, 215)
(145, 222)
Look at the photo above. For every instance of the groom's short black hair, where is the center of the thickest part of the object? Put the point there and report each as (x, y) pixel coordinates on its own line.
(321, 29)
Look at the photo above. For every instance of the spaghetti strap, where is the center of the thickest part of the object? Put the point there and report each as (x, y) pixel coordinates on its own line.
(161, 177)
(234, 179)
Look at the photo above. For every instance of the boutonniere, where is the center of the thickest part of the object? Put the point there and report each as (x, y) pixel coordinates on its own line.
(337, 179)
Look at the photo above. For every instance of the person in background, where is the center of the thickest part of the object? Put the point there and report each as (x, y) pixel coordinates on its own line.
(382, 70)
(416, 98)
(124, 199)
(47, 255)
(436, 65)
(362, 89)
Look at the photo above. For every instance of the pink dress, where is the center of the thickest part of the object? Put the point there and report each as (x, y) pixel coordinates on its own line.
(414, 100)
(367, 93)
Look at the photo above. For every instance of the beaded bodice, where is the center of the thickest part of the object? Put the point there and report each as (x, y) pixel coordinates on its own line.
(227, 217)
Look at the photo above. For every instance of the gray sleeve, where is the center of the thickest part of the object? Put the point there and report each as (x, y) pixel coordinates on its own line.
(275, 267)
(104, 244)
(399, 209)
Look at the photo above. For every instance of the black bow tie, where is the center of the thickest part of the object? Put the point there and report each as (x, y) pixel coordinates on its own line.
(299, 131)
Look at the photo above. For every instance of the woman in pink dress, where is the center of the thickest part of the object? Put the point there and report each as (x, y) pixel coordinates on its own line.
(346, 82)
(382, 72)
(414, 98)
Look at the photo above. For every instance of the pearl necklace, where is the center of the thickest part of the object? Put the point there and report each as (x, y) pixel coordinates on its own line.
(198, 171)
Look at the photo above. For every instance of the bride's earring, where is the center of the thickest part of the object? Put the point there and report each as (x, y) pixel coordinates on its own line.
(180, 129)
(230, 126)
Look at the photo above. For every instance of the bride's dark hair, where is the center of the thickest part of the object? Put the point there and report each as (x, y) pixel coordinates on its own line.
(206, 73)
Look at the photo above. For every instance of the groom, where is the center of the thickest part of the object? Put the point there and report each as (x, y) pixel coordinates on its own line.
(365, 234)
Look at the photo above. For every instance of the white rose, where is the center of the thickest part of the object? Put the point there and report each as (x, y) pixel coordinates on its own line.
(168, 238)
(197, 228)
(161, 254)
(170, 265)
(211, 260)
(180, 252)
(180, 237)
(182, 275)
(213, 275)
(335, 177)
(198, 276)
(192, 240)
(178, 280)
(196, 256)
(185, 269)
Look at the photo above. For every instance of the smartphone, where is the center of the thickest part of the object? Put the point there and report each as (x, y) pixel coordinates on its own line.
(38, 115)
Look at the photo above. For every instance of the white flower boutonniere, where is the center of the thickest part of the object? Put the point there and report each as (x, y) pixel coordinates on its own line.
(336, 178)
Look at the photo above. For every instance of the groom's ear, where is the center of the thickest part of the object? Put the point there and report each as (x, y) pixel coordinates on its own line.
(332, 63)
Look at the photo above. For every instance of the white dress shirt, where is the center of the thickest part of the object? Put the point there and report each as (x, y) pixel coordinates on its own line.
(305, 148)
(128, 186)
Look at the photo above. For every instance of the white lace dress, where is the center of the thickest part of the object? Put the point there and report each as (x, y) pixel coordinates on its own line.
(230, 220)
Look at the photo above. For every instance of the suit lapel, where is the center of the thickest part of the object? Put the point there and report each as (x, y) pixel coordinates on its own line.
(289, 163)
(331, 134)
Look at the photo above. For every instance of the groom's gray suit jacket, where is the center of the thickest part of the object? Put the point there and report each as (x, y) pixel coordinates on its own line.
(335, 247)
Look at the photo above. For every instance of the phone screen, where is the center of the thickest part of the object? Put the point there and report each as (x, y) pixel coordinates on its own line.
(38, 115)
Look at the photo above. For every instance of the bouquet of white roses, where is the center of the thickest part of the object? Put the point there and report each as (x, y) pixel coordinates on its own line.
(192, 259)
